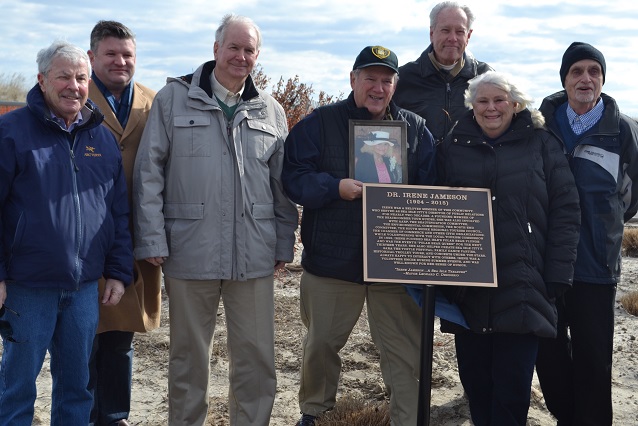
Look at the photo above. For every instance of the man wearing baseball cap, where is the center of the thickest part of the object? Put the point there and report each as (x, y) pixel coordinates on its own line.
(315, 175)
(601, 144)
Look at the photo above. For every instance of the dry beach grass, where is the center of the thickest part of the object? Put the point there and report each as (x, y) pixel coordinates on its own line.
(361, 387)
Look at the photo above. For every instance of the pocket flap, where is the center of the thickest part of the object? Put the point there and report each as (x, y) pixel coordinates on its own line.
(191, 120)
(262, 127)
(263, 211)
(183, 211)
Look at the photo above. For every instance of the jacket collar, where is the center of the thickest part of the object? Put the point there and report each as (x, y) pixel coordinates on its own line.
(609, 122)
(140, 99)
(427, 68)
(467, 128)
(35, 102)
(201, 78)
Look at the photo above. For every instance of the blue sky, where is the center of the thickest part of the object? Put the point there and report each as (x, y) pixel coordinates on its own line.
(318, 40)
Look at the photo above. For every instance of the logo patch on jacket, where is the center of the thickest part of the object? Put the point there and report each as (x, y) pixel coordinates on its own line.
(89, 151)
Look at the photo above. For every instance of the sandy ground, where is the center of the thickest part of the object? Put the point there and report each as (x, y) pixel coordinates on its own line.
(361, 376)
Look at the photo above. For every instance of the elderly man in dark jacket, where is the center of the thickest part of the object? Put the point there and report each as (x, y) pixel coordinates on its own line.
(602, 147)
(64, 225)
(433, 86)
(333, 293)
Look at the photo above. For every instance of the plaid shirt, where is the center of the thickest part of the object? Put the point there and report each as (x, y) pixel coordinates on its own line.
(581, 123)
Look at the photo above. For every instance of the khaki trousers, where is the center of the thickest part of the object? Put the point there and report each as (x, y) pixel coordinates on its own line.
(330, 309)
(249, 308)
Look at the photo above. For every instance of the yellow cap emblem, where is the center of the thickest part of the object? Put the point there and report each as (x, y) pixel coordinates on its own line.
(380, 52)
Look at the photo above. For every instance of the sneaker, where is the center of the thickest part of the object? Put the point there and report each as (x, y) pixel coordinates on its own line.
(306, 420)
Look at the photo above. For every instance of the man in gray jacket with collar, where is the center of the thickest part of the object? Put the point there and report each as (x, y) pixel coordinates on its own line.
(211, 209)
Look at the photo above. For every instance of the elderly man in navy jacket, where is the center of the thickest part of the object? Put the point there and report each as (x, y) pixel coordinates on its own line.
(64, 224)
(602, 147)
(333, 292)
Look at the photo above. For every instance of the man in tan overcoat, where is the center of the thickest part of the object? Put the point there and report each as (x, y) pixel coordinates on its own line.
(125, 105)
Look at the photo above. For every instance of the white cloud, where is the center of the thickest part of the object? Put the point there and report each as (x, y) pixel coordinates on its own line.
(319, 40)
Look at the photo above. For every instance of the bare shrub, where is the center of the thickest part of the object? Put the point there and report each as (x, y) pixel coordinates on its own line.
(630, 242)
(351, 411)
(629, 301)
(293, 95)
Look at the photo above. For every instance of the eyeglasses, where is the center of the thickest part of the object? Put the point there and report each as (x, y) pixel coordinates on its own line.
(6, 331)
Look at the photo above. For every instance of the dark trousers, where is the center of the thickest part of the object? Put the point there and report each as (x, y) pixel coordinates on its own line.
(496, 372)
(574, 369)
(111, 369)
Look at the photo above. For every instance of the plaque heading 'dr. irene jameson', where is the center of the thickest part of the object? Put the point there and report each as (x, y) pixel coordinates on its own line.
(428, 235)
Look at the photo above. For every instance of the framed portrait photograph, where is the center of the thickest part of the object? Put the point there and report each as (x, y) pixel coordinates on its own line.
(378, 151)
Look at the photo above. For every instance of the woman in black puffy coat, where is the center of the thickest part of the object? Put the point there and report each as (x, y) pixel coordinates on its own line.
(502, 145)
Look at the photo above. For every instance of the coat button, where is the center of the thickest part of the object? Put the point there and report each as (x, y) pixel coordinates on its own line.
(192, 122)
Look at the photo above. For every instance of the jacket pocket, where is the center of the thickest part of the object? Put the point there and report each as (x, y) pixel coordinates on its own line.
(191, 136)
(264, 216)
(263, 211)
(183, 211)
(183, 227)
(260, 141)
(16, 244)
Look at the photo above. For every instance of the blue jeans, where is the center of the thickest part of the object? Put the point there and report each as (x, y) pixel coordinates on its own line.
(64, 323)
(111, 370)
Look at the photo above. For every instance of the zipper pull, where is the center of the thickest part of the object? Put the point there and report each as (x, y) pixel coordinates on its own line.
(529, 227)
(75, 166)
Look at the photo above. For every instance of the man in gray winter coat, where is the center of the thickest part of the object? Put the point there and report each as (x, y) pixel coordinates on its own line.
(211, 209)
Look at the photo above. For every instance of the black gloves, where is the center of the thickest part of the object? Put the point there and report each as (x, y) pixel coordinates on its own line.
(556, 290)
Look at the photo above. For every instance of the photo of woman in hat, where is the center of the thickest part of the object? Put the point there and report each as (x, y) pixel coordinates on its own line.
(378, 160)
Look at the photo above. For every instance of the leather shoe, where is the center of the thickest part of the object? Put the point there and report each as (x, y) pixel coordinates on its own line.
(306, 420)
(123, 422)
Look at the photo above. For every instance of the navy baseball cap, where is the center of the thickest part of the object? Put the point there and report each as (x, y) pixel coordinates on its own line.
(377, 55)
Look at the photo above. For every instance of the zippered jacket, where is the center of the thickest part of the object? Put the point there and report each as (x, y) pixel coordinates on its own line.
(605, 165)
(63, 201)
(425, 91)
(535, 216)
(317, 159)
(207, 191)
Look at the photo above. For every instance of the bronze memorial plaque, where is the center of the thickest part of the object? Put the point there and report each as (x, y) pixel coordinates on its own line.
(428, 235)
